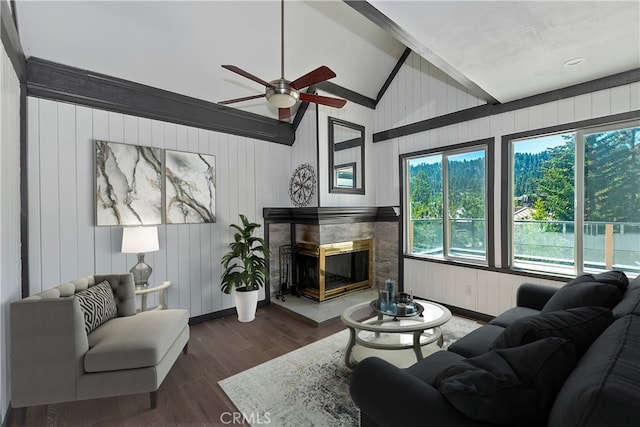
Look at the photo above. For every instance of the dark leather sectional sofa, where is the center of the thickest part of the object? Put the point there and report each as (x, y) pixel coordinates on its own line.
(562, 357)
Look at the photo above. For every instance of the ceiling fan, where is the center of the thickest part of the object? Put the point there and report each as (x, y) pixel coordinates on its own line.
(282, 93)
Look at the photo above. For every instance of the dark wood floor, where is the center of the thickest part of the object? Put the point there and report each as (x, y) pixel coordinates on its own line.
(190, 395)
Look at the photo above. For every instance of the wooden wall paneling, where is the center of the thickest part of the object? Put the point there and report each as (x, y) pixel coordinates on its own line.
(508, 285)
(566, 111)
(263, 190)
(49, 194)
(68, 199)
(418, 101)
(583, 107)
(226, 212)
(120, 262)
(450, 284)
(535, 116)
(116, 126)
(235, 170)
(507, 124)
(471, 282)
(601, 103)
(550, 114)
(159, 257)
(184, 267)
(425, 97)
(430, 277)
(205, 231)
(35, 208)
(130, 134)
(10, 210)
(439, 282)
(194, 250)
(403, 99)
(128, 131)
(521, 120)
(620, 99)
(482, 291)
(282, 174)
(85, 204)
(416, 280)
(170, 136)
(244, 176)
(634, 102)
(214, 233)
(102, 234)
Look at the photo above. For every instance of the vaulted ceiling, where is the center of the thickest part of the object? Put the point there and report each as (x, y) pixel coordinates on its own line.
(500, 50)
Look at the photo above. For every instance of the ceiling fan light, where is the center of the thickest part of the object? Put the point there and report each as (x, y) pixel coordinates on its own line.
(282, 100)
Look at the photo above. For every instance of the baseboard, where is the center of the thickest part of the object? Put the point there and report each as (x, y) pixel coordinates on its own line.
(463, 312)
(218, 314)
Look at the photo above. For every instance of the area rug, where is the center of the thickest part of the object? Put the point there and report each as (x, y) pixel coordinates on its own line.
(308, 386)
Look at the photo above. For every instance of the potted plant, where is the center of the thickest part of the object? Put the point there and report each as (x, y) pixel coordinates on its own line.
(245, 268)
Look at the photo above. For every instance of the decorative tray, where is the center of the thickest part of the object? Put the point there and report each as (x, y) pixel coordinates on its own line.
(412, 309)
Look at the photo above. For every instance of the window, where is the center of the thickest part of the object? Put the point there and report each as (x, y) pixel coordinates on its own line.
(576, 200)
(445, 204)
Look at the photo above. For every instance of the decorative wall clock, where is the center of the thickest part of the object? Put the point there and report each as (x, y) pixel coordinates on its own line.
(302, 185)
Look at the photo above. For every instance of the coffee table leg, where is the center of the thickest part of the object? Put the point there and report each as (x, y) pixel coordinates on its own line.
(438, 331)
(350, 344)
(416, 345)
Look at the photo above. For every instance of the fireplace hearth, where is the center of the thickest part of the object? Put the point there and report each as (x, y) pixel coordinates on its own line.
(334, 269)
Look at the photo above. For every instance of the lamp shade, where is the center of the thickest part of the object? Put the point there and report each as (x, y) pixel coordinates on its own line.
(137, 240)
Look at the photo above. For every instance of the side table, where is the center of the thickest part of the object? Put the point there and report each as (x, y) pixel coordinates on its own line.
(162, 288)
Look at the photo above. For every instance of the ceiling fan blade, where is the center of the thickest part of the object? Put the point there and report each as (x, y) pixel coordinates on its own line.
(318, 75)
(246, 98)
(284, 113)
(250, 76)
(324, 100)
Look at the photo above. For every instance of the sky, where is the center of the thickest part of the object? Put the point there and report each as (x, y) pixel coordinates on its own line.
(536, 145)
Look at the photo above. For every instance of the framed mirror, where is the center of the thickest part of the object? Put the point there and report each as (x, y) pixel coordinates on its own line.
(346, 157)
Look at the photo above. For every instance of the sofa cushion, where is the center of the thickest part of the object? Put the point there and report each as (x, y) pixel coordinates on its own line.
(630, 300)
(513, 314)
(513, 386)
(428, 368)
(601, 290)
(134, 341)
(603, 388)
(98, 305)
(476, 342)
(581, 326)
(616, 278)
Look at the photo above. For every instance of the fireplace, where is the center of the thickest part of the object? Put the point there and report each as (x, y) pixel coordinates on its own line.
(334, 269)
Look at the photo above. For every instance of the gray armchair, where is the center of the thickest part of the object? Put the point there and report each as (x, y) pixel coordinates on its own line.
(53, 359)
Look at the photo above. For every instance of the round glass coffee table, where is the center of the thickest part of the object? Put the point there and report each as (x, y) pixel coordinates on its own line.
(391, 338)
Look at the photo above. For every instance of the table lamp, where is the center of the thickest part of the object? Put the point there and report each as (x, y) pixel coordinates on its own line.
(138, 240)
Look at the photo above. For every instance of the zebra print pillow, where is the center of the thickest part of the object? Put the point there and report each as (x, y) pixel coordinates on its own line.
(98, 305)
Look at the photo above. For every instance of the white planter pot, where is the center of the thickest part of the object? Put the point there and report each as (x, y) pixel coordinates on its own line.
(246, 304)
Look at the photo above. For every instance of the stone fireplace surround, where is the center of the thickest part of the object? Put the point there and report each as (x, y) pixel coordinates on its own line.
(319, 226)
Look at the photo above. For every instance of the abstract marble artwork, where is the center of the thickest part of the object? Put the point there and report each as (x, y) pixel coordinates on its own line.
(190, 187)
(128, 184)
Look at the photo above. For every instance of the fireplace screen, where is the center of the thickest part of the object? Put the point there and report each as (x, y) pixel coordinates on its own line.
(327, 271)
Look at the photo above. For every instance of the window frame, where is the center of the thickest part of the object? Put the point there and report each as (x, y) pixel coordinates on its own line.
(579, 129)
(483, 144)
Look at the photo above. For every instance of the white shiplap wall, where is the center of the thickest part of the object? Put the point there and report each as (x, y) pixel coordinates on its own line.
(304, 151)
(10, 267)
(359, 115)
(421, 91)
(64, 243)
